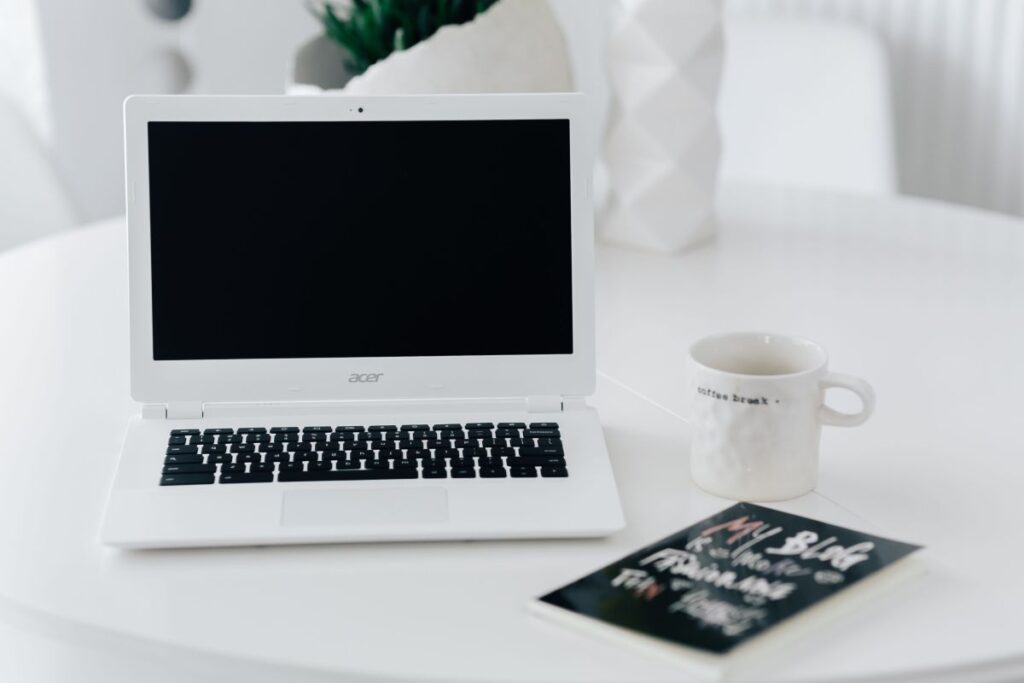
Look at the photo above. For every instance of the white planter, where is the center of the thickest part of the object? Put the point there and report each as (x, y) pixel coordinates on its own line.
(515, 46)
(662, 148)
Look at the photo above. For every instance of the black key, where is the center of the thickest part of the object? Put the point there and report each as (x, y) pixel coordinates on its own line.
(232, 467)
(189, 469)
(262, 467)
(251, 430)
(292, 467)
(317, 430)
(553, 471)
(536, 433)
(542, 450)
(313, 437)
(383, 428)
(276, 457)
(478, 434)
(219, 459)
(447, 453)
(214, 450)
(493, 472)
(202, 440)
(243, 448)
(349, 429)
(218, 430)
(250, 478)
(463, 473)
(543, 425)
(347, 475)
(550, 441)
(181, 450)
(306, 457)
(419, 453)
(184, 432)
(503, 452)
(520, 471)
(480, 425)
(284, 430)
(535, 460)
(489, 461)
(247, 457)
(435, 473)
(415, 428)
(185, 479)
(183, 460)
(447, 427)
(511, 425)
(230, 439)
(320, 466)
(462, 463)
(176, 441)
(348, 465)
(300, 448)
(258, 438)
(377, 465)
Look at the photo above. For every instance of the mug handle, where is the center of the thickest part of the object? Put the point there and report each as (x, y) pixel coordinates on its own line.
(830, 416)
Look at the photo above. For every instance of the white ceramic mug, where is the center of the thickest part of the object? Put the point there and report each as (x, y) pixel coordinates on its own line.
(757, 407)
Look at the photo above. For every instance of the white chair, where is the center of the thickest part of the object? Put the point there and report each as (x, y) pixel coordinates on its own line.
(33, 202)
(807, 103)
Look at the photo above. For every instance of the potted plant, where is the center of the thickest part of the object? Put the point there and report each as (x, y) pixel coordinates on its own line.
(378, 47)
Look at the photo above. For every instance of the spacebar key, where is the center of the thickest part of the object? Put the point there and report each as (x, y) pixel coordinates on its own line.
(349, 475)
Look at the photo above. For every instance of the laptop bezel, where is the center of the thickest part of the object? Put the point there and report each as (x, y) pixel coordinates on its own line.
(331, 379)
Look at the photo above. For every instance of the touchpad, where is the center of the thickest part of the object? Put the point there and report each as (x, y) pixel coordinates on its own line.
(332, 507)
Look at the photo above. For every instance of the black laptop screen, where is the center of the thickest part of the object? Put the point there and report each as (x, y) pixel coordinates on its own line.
(360, 239)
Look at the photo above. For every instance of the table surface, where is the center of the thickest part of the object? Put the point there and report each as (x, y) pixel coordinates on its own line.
(921, 299)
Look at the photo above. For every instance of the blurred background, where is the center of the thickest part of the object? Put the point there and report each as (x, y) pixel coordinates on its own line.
(942, 82)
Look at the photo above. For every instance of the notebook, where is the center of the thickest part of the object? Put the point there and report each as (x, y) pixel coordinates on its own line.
(715, 594)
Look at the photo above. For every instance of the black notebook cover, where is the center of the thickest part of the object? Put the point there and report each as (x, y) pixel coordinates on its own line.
(728, 578)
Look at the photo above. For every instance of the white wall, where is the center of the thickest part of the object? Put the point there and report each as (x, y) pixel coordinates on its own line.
(959, 77)
(97, 53)
(958, 72)
(22, 68)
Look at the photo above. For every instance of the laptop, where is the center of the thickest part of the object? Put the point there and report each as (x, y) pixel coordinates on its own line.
(359, 319)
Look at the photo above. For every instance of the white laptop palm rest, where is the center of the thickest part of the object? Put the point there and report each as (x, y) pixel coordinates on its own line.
(359, 319)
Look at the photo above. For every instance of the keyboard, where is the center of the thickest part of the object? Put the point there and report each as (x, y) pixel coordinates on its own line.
(250, 455)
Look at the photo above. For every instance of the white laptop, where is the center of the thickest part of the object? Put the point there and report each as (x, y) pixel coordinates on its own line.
(360, 319)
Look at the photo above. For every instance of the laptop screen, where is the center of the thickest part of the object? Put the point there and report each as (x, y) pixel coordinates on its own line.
(360, 239)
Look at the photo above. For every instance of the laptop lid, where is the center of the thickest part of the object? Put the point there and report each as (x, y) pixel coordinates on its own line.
(334, 248)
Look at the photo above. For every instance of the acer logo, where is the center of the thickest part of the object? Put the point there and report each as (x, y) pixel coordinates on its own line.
(365, 377)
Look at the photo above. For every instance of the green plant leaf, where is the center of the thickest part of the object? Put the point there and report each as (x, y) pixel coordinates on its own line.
(373, 29)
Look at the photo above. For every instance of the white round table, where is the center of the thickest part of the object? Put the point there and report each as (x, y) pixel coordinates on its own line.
(923, 300)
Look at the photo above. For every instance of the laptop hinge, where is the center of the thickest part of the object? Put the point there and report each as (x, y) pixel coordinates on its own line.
(543, 404)
(184, 411)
